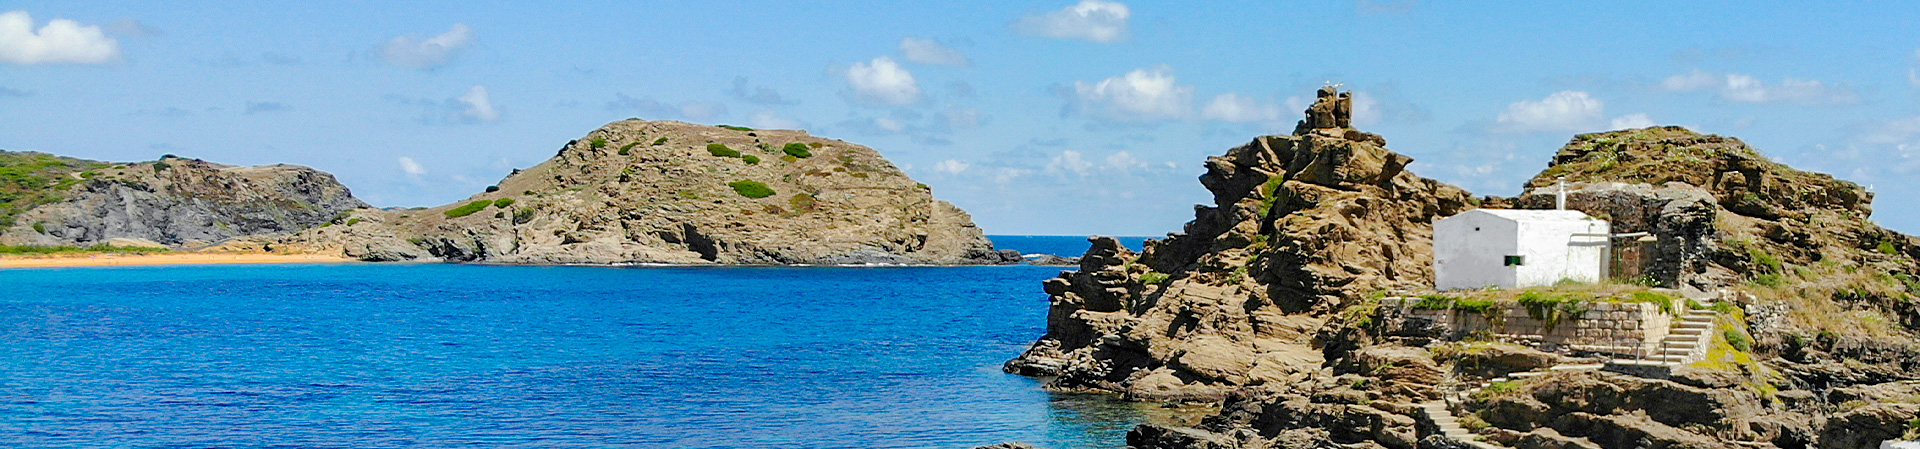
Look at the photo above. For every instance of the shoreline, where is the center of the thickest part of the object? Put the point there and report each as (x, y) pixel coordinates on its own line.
(120, 260)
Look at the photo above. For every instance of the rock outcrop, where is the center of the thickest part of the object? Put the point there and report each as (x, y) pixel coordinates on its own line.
(1301, 225)
(1263, 304)
(173, 201)
(636, 191)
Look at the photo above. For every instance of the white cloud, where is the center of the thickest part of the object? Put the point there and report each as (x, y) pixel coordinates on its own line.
(476, 106)
(1143, 94)
(1069, 162)
(1091, 20)
(1568, 110)
(769, 120)
(1366, 110)
(1236, 108)
(889, 124)
(415, 53)
(926, 51)
(61, 41)
(1124, 162)
(951, 166)
(1913, 77)
(412, 168)
(1631, 121)
(882, 82)
(1748, 89)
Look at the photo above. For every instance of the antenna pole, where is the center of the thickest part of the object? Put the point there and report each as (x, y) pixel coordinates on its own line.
(1560, 196)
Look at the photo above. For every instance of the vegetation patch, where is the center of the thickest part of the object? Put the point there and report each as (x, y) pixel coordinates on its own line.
(802, 203)
(467, 209)
(797, 150)
(722, 150)
(597, 143)
(522, 215)
(29, 180)
(503, 203)
(62, 249)
(625, 148)
(751, 189)
(750, 159)
(1153, 278)
(660, 141)
(736, 128)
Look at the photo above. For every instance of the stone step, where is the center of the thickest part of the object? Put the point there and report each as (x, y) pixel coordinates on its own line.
(1695, 324)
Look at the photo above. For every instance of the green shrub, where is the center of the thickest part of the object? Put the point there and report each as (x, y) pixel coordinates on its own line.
(161, 165)
(629, 146)
(1737, 340)
(1480, 306)
(1153, 278)
(1663, 301)
(597, 143)
(1434, 302)
(1770, 280)
(351, 222)
(467, 209)
(660, 141)
(40, 228)
(801, 203)
(1887, 247)
(522, 215)
(751, 188)
(736, 128)
(491, 189)
(751, 159)
(1768, 261)
(789, 158)
(722, 150)
(503, 203)
(797, 150)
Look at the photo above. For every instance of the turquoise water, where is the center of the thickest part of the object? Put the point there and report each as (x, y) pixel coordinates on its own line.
(1055, 245)
(441, 355)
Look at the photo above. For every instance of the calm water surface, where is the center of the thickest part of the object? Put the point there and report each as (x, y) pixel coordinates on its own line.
(442, 355)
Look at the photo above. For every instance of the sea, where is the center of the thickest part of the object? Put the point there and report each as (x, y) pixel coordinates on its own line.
(436, 355)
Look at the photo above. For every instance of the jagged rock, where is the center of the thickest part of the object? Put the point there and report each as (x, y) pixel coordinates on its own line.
(1008, 445)
(1053, 260)
(1866, 427)
(1301, 225)
(637, 191)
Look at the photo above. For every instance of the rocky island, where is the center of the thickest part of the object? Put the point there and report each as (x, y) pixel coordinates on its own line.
(1300, 305)
(631, 192)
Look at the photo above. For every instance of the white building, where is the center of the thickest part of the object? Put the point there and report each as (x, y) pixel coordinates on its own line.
(1518, 248)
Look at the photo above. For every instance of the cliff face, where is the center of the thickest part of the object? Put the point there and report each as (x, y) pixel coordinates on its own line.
(1264, 304)
(670, 192)
(173, 201)
(1302, 225)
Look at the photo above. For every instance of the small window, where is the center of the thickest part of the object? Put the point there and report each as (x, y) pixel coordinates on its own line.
(1514, 261)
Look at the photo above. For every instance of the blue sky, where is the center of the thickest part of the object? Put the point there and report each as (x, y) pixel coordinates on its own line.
(1039, 118)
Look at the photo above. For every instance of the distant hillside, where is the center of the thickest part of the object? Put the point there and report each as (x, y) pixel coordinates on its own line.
(52, 200)
(670, 192)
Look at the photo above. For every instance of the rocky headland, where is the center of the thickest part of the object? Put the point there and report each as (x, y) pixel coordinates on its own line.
(1269, 305)
(631, 192)
(182, 203)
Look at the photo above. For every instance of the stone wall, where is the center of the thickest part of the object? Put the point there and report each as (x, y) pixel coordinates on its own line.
(1622, 329)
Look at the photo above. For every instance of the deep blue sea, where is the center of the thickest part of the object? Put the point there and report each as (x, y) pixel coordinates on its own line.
(358, 355)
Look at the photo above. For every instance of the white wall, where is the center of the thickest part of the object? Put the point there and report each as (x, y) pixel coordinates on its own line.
(1561, 250)
(1470, 249)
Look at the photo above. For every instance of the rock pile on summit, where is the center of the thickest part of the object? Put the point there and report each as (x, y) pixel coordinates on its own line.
(1301, 225)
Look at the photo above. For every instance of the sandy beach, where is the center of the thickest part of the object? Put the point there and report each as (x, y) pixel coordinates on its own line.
(106, 260)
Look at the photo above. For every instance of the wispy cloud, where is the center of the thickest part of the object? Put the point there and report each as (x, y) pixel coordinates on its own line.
(926, 51)
(476, 105)
(1242, 109)
(410, 167)
(756, 94)
(1089, 20)
(653, 109)
(61, 41)
(256, 107)
(1748, 89)
(427, 53)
